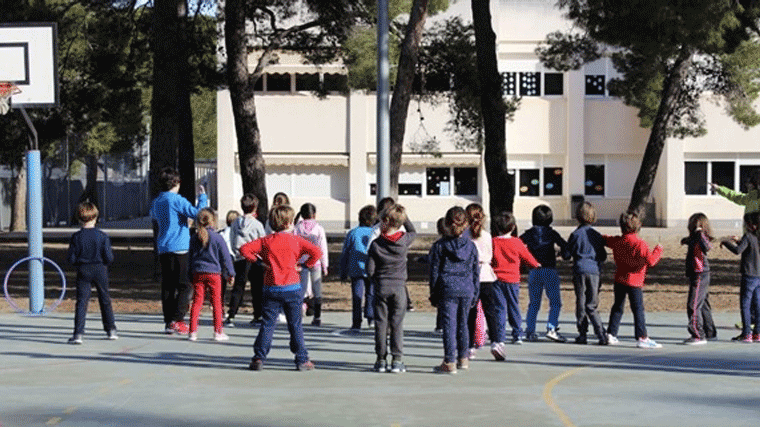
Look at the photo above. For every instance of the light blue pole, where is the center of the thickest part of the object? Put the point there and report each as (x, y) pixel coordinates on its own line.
(383, 112)
(34, 227)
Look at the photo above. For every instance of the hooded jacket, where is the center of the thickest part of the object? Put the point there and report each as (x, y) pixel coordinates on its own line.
(387, 257)
(245, 229)
(310, 230)
(454, 269)
(540, 241)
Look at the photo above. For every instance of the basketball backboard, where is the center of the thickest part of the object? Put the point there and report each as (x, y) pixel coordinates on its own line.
(28, 54)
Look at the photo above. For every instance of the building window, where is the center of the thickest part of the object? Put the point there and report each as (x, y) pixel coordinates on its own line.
(307, 82)
(745, 173)
(553, 181)
(466, 181)
(373, 189)
(278, 82)
(595, 84)
(695, 178)
(529, 182)
(530, 84)
(594, 180)
(438, 181)
(723, 174)
(409, 189)
(259, 85)
(509, 83)
(553, 84)
(698, 174)
(335, 82)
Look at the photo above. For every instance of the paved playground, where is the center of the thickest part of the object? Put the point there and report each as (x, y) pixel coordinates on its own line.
(147, 378)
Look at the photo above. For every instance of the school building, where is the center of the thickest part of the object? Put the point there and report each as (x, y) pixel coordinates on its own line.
(569, 140)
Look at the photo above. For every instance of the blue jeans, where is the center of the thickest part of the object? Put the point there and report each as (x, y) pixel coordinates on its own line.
(501, 302)
(538, 280)
(456, 338)
(361, 287)
(749, 302)
(288, 300)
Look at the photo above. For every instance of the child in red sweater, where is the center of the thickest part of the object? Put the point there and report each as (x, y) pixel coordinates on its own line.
(632, 258)
(501, 299)
(280, 253)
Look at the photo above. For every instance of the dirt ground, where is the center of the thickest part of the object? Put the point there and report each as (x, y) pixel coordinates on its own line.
(135, 286)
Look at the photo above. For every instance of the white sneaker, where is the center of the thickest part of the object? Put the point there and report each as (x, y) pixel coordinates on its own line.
(281, 318)
(695, 341)
(112, 335)
(648, 343)
(221, 336)
(612, 340)
(193, 336)
(498, 351)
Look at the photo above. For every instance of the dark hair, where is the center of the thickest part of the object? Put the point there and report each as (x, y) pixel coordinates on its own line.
(629, 222)
(307, 211)
(477, 218)
(367, 216)
(280, 217)
(87, 211)
(754, 179)
(384, 204)
(586, 213)
(504, 223)
(699, 220)
(249, 202)
(542, 215)
(455, 221)
(280, 198)
(440, 226)
(206, 218)
(169, 178)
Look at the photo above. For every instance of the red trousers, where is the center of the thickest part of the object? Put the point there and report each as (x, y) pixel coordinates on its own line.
(201, 282)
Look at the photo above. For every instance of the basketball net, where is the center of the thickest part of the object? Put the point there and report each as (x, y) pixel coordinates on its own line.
(6, 91)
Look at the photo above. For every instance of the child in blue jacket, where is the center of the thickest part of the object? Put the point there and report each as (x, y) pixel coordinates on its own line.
(454, 288)
(353, 265)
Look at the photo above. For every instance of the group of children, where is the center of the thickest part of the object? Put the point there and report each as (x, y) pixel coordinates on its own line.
(285, 259)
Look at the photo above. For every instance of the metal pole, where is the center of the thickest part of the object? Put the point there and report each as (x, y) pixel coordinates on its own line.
(34, 220)
(383, 112)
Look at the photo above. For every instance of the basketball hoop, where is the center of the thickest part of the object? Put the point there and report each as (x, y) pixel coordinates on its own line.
(7, 90)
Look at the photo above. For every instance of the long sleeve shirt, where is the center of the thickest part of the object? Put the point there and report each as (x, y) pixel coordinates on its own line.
(484, 243)
(696, 253)
(171, 211)
(280, 253)
(632, 258)
(508, 253)
(541, 242)
(310, 230)
(749, 248)
(750, 201)
(214, 258)
(90, 246)
(454, 268)
(353, 258)
(586, 247)
(387, 256)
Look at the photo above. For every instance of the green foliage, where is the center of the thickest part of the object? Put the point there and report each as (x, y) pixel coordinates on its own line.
(360, 55)
(204, 123)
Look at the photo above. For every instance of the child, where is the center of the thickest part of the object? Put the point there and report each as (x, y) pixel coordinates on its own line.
(353, 265)
(280, 252)
(386, 266)
(541, 240)
(503, 300)
(454, 287)
(632, 258)
(246, 228)
(226, 234)
(476, 232)
(309, 229)
(209, 259)
(170, 213)
(749, 248)
(279, 198)
(90, 252)
(701, 326)
(382, 205)
(586, 247)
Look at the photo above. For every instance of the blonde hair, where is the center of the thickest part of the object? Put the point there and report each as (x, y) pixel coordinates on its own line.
(86, 212)
(231, 217)
(206, 218)
(280, 217)
(476, 217)
(586, 213)
(394, 216)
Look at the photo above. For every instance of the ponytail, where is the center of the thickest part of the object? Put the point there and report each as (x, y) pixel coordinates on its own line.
(206, 218)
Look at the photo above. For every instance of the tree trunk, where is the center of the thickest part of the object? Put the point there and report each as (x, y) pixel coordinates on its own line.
(252, 168)
(402, 92)
(171, 116)
(18, 214)
(500, 183)
(671, 93)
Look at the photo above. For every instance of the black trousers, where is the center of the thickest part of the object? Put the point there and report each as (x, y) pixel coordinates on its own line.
(176, 289)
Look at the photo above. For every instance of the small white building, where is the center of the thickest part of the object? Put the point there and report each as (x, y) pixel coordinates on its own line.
(569, 139)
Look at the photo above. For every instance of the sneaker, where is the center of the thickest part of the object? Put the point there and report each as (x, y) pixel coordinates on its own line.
(498, 351)
(438, 331)
(228, 322)
(281, 318)
(517, 340)
(305, 366)
(612, 340)
(316, 322)
(169, 329)
(742, 338)
(180, 327)
(647, 343)
(193, 336)
(221, 336)
(112, 335)
(472, 353)
(256, 365)
(555, 336)
(603, 341)
(531, 337)
(380, 366)
(446, 368)
(581, 339)
(695, 341)
(397, 367)
(463, 364)
(76, 339)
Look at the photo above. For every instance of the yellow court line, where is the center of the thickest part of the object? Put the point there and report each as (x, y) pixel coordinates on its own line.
(549, 387)
(53, 421)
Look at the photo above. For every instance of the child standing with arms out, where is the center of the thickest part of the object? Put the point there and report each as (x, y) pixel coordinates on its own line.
(246, 228)
(309, 229)
(386, 265)
(586, 247)
(632, 259)
(454, 287)
(541, 240)
(701, 326)
(280, 252)
(476, 217)
(749, 293)
(209, 259)
(509, 253)
(90, 252)
(353, 265)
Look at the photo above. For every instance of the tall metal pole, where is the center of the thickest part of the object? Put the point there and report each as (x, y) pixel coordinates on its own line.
(34, 220)
(383, 111)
